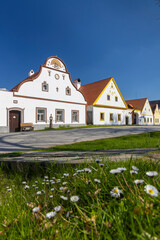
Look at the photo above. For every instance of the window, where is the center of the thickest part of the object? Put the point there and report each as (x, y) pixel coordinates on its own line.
(41, 114)
(75, 116)
(111, 116)
(151, 120)
(44, 87)
(49, 73)
(102, 116)
(116, 99)
(156, 120)
(119, 117)
(59, 115)
(63, 76)
(147, 120)
(108, 97)
(68, 91)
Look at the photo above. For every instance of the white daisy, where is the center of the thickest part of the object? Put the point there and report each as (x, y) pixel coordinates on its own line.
(74, 198)
(50, 214)
(43, 183)
(36, 209)
(51, 196)
(53, 177)
(36, 181)
(64, 183)
(58, 180)
(33, 185)
(138, 181)
(152, 173)
(52, 182)
(101, 164)
(122, 169)
(133, 172)
(135, 168)
(23, 182)
(66, 174)
(74, 174)
(151, 190)
(115, 171)
(64, 198)
(46, 177)
(61, 188)
(26, 187)
(39, 193)
(57, 209)
(97, 180)
(9, 189)
(52, 189)
(88, 170)
(97, 160)
(116, 192)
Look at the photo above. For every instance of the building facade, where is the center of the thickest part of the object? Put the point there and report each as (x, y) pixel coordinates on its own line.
(155, 105)
(48, 93)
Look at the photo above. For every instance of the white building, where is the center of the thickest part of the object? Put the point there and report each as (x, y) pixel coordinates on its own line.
(141, 111)
(49, 91)
(105, 103)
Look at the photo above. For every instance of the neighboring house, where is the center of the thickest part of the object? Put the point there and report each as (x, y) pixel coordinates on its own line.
(141, 111)
(105, 103)
(49, 91)
(155, 105)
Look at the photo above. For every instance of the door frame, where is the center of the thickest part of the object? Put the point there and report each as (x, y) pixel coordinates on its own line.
(126, 120)
(15, 109)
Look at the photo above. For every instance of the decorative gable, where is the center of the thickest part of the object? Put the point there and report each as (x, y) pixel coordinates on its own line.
(110, 96)
(147, 108)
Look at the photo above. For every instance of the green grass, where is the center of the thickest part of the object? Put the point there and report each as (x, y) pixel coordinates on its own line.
(9, 155)
(95, 216)
(144, 140)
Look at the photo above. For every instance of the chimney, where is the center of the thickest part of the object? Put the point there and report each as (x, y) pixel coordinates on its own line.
(77, 83)
(31, 73)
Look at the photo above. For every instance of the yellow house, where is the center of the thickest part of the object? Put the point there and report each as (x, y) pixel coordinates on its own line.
(155, 105)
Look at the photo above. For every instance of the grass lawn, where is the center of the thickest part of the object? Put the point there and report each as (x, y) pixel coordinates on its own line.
(144, 140)
(132, 213)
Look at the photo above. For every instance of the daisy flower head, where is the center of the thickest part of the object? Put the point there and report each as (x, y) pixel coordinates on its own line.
(138, 181)
(39, 193)
(50, 215)
(61, 188)
(9, 189)
(97, 160)
(57, 209)
(122, 169)
(66, 174)
(133, 172)
(115, 171)
(23, 182)
(64, 198)
(101, 164)
(97, 180)
(64, 183)
(116, 192)
(26, 187)
(58, 180)
(46, 177)
(52, 189)
(135, 168)
(151, 190)
(74, 198)
(51, 196)
(152, 173)
(88, 170)
(33, 185)
(36, 181)
(36, 209)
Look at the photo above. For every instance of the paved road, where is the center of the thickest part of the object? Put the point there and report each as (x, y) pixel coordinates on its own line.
(32, 140)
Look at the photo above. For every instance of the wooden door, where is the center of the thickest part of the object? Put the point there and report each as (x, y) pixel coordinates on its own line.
(14, 120)
(127, 120)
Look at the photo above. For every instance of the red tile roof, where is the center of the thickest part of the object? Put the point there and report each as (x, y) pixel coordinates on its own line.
(92, 90)
(136, 103)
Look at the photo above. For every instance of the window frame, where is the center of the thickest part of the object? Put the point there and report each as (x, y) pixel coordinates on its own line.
(102, 119)
(45, 114)
(63, 119)
(68, 88)
(72, 111)
(115, 98)
(43, 84)
(109, 97)
(111, 120)
(119, 114)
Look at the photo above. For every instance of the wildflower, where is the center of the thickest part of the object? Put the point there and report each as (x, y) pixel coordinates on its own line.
(58, 180)
(43, 191)
(46, 177)
(151, 190)
(50, 214)
(47, 183)
(66, 174)
(115, 171)
(152, 173)
(52, 182)
(39, 193)
(51, 196)
(64, 198)
(43, 183)
(101, 164)
(122, 169)
(88, 181)
(116, 192)
(9, 189)
(52, 189)
(97, 180)
(88, 170)
(74, 174)
(67, 214)
(36, 187)
(74, 199)
(53, 177)
(36, 209)
(97, 160)
(64, 183)
(24, 183)
(57, 209)
(36, 181)
(61, 188)
(33, 185)
(135, 168)
(138, 181)
(26, 187)
(133, 171)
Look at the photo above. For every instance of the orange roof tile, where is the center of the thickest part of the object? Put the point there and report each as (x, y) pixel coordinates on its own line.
(137, 103)
(92, 90)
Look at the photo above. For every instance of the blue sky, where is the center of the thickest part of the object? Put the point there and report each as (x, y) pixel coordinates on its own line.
(96, 40)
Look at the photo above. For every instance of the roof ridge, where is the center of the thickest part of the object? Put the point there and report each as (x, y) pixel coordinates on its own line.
(97, 81)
